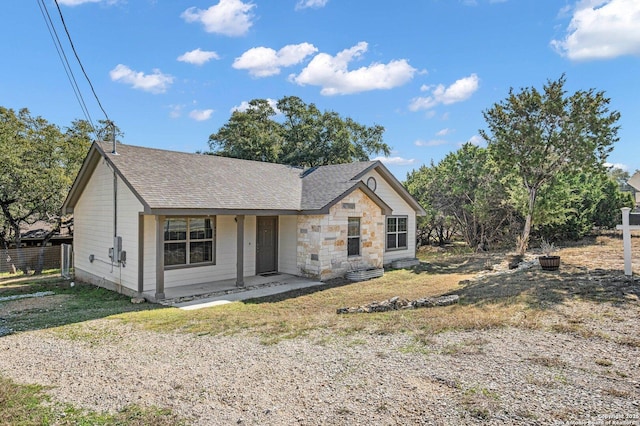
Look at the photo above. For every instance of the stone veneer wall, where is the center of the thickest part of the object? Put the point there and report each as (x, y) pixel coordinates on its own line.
(322, 239)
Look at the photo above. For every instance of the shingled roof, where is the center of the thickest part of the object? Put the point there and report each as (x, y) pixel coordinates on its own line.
(166, 181)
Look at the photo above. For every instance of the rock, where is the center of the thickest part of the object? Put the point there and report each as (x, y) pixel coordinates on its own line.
(137, 300)
(395, 303)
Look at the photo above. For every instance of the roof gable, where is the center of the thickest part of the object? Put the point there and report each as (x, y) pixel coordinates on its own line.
(634, 181)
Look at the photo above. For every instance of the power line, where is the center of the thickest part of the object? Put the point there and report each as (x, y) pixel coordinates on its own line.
(79, 62)
(65, 62)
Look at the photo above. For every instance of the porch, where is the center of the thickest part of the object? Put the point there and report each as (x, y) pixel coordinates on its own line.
(194, 296)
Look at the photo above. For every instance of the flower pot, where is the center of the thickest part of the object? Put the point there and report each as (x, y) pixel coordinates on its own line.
(549, 263)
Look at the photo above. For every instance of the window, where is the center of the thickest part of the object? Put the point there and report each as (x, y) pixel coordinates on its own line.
(396, 232)
(188, 241)
(353, 237)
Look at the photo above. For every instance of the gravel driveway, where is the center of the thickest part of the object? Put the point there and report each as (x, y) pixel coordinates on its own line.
(500, 376)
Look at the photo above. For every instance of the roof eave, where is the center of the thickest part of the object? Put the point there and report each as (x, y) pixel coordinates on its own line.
(88, 166)
(82, 178)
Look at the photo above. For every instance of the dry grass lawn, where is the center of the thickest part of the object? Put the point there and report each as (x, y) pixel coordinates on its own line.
(589, 288)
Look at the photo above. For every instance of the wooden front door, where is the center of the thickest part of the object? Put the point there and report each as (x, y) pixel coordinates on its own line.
(267, 245)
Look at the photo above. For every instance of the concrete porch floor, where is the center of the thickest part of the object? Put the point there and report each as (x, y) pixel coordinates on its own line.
(203, 295)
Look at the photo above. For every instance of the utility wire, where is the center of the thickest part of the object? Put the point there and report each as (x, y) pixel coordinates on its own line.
(65, 62)
(79, 62)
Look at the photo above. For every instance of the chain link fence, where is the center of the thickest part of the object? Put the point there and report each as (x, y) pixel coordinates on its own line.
(16, 260)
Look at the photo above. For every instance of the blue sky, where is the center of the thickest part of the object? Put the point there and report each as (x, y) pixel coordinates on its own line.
(169, 73)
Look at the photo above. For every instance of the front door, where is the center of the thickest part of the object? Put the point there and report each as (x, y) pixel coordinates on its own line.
(267, 245)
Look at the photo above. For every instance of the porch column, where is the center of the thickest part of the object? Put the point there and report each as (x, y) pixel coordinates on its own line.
(140, 254)
(159, 257)
(240, 251)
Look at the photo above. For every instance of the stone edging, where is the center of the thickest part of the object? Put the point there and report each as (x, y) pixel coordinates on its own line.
(395, 303)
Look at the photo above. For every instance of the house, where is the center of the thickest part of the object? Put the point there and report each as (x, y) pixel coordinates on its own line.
(148, 219)
(34, 235)
(633, 186)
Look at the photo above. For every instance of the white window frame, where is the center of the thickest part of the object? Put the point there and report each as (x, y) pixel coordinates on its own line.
(353, 237)
(396, 233)
(187, 242)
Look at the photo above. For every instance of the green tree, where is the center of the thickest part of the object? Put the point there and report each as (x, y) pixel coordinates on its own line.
(304, 136)
(574, 203)
(465, 189)
(539, 135)
(315, 138)
(250, 135)
(424, 185)
(38, 168)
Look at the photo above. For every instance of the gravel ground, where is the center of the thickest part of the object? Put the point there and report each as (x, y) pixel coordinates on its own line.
(500, 376)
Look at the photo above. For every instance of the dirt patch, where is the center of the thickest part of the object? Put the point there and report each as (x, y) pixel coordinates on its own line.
(32, 304)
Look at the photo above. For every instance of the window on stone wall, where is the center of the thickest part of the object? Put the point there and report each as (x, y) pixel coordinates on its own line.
(396, 232)
(188, 241)
(353, 237)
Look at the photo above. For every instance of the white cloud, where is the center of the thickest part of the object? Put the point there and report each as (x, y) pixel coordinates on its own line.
(617, 166)
(201, 114)
(459, 91)
(175, 111)
(265, 62)
(154, 83)
(396, 161)
(443, 132)
(228, 17)
(198, 57)
(432, 142)
(332, 74)
(244, 106)
(477, 140)
(602, 29)
(313, 4)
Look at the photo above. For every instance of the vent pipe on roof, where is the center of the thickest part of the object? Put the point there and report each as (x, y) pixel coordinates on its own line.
(113, 137)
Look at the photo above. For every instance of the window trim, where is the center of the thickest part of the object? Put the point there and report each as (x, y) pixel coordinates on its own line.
(188, 241)
(353, 237)
(396, 233)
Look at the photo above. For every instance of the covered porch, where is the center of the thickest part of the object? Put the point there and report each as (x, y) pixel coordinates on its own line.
(228, 290)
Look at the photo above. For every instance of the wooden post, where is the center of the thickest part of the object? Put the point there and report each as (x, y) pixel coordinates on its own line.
(626, 241)
(159, 258)
(240, 251)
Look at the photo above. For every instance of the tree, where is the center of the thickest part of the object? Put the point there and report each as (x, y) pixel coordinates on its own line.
(315, 138)
(305, 136)
(539, 135)
(423, 184)
(250, 134)
(38, 168)
(464, 190)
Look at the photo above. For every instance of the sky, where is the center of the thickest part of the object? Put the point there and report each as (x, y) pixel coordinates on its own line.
(170, 73)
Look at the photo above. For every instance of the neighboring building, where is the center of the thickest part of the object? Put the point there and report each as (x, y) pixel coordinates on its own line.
(33, 235)
(148, 219)
(634, 183)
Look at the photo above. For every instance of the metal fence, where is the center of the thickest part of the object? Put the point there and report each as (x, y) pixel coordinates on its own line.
(66, 260)
(15, 260)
